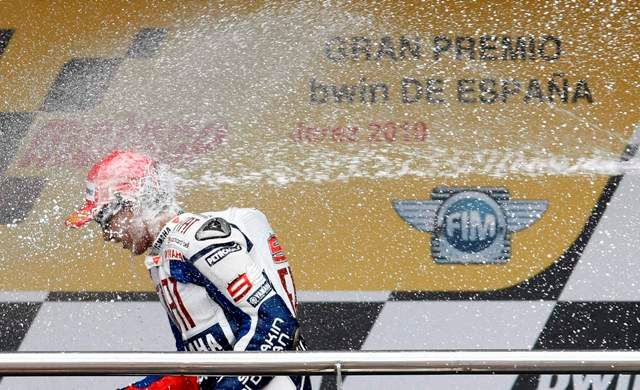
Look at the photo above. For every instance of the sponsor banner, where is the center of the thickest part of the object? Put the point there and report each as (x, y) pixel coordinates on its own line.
(578, 381)
(505, 136)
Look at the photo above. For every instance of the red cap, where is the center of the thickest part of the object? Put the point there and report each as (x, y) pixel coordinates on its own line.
(119, 172)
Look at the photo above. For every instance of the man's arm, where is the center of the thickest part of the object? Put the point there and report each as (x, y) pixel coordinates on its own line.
(243, 290)
(248, 297)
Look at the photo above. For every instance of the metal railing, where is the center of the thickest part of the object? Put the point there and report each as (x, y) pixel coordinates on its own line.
(319, 363)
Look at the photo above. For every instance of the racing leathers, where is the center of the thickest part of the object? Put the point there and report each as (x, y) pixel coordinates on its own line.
(226, 284)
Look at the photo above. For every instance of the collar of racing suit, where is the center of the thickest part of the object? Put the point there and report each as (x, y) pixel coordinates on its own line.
(153, 258)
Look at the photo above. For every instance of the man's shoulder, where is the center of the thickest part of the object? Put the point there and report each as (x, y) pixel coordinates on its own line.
(193, 234)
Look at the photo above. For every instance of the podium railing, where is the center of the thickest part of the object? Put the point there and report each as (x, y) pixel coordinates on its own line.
(317, 363)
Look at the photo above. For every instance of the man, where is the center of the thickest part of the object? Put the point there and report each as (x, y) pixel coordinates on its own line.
(222, 277)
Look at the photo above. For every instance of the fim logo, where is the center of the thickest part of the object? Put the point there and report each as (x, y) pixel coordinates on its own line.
(470, 225)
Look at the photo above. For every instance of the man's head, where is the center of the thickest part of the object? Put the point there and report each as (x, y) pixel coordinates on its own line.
(126, 194)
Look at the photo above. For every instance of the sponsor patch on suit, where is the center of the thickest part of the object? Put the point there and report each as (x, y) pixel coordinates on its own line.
(221, 251)
(259, 295)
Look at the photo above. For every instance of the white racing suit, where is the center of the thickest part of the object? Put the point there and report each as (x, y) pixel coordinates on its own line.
(226, 285)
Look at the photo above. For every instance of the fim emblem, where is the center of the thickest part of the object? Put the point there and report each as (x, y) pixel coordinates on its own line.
(470, 225)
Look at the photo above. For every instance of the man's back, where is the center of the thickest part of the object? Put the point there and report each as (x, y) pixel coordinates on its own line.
(225, 283)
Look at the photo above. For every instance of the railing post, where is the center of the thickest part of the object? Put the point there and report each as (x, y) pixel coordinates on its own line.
(338, 376)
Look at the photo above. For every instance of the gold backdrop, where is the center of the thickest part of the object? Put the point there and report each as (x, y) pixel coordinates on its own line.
(298, 110)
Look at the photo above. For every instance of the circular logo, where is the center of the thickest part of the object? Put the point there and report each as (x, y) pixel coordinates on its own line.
(471, 224)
